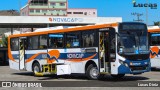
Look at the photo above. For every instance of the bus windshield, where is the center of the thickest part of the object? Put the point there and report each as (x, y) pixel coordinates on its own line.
(133, 41)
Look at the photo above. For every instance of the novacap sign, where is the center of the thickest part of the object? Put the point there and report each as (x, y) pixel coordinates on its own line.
(66, 20)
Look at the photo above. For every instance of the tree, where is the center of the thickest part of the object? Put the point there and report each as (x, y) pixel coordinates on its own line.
(157, 23)
(133, 1)
(4, 41)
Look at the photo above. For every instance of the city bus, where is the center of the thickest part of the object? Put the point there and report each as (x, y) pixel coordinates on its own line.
(154, 35)
(93, 50)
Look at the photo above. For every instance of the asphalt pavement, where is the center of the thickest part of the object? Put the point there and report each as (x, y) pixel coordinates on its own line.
(69, 82)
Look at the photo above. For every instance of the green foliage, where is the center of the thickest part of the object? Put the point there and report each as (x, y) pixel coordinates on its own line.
(4, 41)
(133, 1)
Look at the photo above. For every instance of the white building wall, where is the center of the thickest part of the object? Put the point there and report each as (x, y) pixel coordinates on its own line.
(81, 12)
(24, 11)
(30, 20)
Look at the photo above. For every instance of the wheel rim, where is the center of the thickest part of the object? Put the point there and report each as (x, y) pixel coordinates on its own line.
(36, 69)
(94, 72)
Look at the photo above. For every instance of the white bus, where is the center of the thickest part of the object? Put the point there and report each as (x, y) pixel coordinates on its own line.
(154, 34)
(116, 49)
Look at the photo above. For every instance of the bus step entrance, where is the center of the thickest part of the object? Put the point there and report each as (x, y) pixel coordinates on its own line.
(108, 69)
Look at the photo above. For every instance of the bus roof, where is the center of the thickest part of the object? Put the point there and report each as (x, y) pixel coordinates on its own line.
(153, 29)
(66, 30)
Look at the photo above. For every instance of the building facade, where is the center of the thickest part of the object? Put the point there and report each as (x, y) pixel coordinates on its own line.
(55, 8)
(45, 8)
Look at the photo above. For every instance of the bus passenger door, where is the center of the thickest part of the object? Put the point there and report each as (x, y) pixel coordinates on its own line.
(104, 52)
(22, 43)
(107, 49)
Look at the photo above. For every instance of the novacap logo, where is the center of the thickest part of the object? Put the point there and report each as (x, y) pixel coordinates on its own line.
(53, 56)
(154, 52)
(66, 20)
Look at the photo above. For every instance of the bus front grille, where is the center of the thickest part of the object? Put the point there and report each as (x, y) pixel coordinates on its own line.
(135, 68)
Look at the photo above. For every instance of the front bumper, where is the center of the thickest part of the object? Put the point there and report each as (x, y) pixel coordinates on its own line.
(134, 67)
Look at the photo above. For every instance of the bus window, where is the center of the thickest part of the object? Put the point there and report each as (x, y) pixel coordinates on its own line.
(14, 44)
(155, 39)
(56, 40)
(72, 40)
(88, 39)
(33, 42)
(43, 42)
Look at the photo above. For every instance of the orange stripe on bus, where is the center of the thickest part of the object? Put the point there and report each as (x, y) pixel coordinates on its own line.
(155, 50)
(54, 53)
(33, 57)
(50, 61)
(83, 28)
(9, 52)
(153, 30)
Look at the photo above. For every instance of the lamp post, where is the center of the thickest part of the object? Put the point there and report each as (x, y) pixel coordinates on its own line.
(134, 1)
(20, 14)
(147, 13)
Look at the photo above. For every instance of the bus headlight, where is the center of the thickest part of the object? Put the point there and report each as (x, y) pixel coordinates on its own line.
(123, 63)
(145, 62)
(126, 64)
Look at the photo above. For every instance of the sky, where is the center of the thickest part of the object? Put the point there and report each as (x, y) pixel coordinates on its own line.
(105, 8)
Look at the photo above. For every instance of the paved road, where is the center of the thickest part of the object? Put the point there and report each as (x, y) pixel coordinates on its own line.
(7, 74)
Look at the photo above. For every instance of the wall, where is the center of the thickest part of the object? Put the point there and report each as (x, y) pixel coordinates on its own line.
(84, 12)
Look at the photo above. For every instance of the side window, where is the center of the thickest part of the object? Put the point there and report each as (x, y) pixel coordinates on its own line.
(155, 39)
(72, 40)
(33, 42)
(43, 42)
(56, 40)
(15, 44)
(88, 39)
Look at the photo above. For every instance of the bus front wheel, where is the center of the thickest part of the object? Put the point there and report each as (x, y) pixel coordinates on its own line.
(92, 72)
(118, 75)
(36, 68)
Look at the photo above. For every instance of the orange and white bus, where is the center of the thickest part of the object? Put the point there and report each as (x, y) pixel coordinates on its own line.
(116, 49)
(154, 47)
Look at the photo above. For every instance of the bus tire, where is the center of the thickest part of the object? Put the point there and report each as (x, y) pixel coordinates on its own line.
(92, 72)
(36, 68)
(118, 76)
